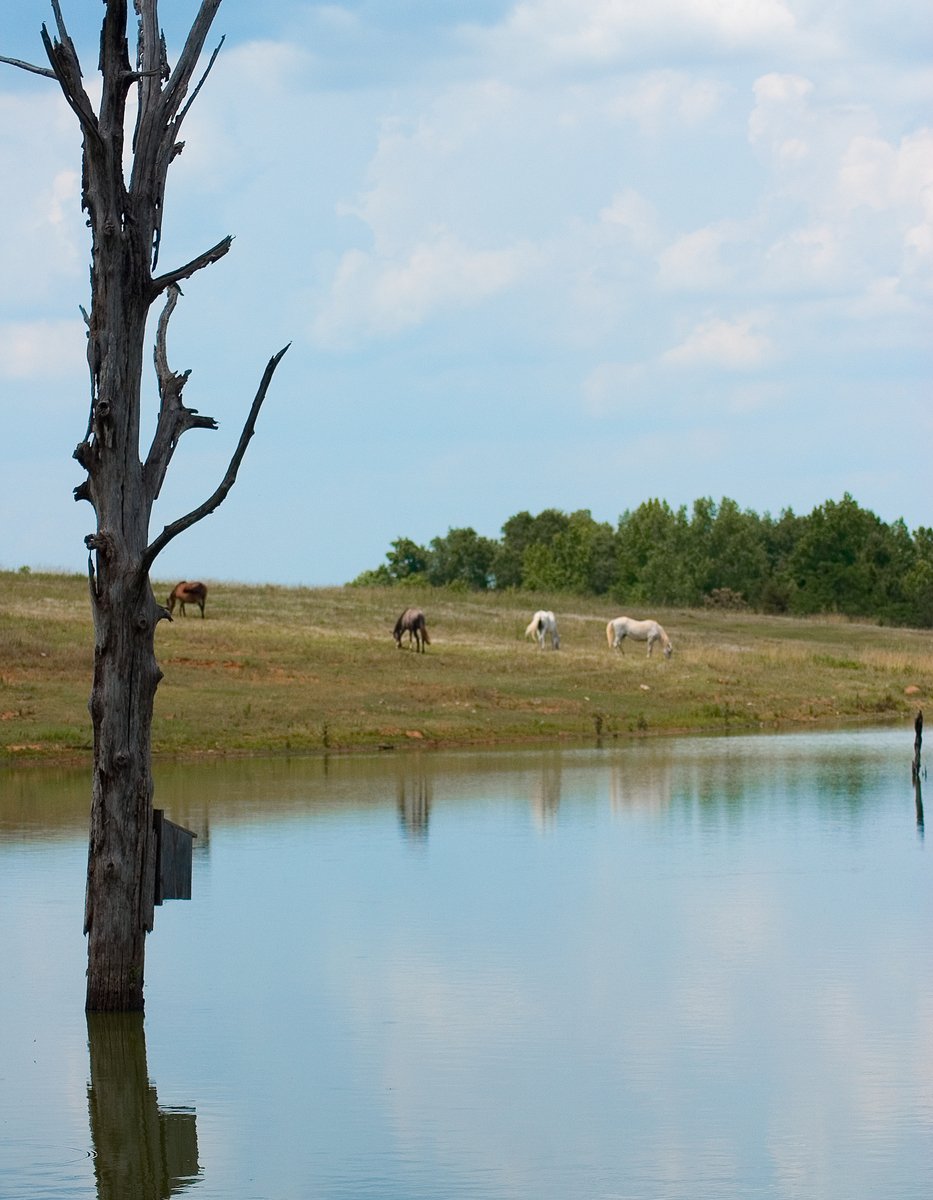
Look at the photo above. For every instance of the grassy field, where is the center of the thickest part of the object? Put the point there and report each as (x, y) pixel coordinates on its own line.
(274, 669)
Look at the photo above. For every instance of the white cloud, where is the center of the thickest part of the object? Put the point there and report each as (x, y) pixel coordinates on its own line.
(737, 345)
(599, 33)
(380, 297)
(43, 240)
(696, 262)
(660, 99)
(808, 258)
(629, 213)
(42, 350)
(846, 207)
(883, 175)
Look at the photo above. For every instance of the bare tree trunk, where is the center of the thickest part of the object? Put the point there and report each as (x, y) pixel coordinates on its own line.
(121, 861)
(125, 219)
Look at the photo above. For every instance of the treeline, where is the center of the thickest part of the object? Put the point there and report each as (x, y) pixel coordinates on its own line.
(839, 559)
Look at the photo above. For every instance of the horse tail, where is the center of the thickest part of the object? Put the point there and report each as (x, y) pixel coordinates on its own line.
(397, 631)
(422, 626)
(532, 627)
(610, 633)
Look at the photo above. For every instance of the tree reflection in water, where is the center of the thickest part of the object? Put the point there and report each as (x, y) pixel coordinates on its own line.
(140, 1150)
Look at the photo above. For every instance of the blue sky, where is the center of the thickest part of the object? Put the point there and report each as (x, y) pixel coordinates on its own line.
(558, 253)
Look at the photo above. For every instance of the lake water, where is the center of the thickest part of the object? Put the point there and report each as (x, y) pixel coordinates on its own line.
(697, 968)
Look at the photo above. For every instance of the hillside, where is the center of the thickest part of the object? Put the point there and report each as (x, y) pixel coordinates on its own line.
(275, 669)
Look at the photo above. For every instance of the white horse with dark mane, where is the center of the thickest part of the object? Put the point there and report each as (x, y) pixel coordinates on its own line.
(543, 625)
(639, 631)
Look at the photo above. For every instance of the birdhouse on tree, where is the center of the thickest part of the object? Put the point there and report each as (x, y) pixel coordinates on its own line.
(174, 846)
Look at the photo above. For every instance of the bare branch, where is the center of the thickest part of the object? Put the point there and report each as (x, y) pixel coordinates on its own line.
(213, 255)
(199, 85)
(67, 70)
(174, 418)
(151, 62)
(25, 66)
(177, 85)
(155, 140)
(176, 527)
(60, 23)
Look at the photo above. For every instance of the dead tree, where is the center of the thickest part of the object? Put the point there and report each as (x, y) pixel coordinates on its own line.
(125, 211)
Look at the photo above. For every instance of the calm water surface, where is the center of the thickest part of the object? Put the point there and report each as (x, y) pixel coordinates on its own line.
(696, 968)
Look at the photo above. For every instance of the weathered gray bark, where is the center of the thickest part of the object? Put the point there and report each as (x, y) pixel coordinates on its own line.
(125, 219)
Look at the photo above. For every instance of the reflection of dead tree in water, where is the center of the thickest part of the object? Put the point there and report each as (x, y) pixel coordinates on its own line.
(414, 805)
(915, 770)
(140, 1150)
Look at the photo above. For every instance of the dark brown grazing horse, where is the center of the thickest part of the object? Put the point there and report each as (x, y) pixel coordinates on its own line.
(412, 622)
(187, 593)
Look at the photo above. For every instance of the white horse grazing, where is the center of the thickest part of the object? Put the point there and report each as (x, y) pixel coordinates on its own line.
(639, 631)
(540, 626)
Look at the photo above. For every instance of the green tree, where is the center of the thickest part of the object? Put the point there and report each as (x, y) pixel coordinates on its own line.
(518, 534)
(829, 563)
(736, 552)
(461, 558)
(406, 562)
(918, 581)
(779, 538)
(889, 554)
(407, 559)
(652, 563)
(580, 558)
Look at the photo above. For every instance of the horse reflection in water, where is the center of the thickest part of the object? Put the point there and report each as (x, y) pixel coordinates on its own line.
(140, 1150)
(414, 797)
(413, 623)
(546, 793)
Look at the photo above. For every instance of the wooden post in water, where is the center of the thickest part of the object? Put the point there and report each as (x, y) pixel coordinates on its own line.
(915, 768)
(918, 742)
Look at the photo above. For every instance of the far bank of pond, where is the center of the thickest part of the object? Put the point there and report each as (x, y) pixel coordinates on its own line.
(297, 670)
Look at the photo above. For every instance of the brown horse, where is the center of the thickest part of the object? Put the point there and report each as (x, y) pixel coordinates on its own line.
(412, 622)
(187, 593)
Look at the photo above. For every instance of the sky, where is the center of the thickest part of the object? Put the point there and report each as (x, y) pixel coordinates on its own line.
(568, 254)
